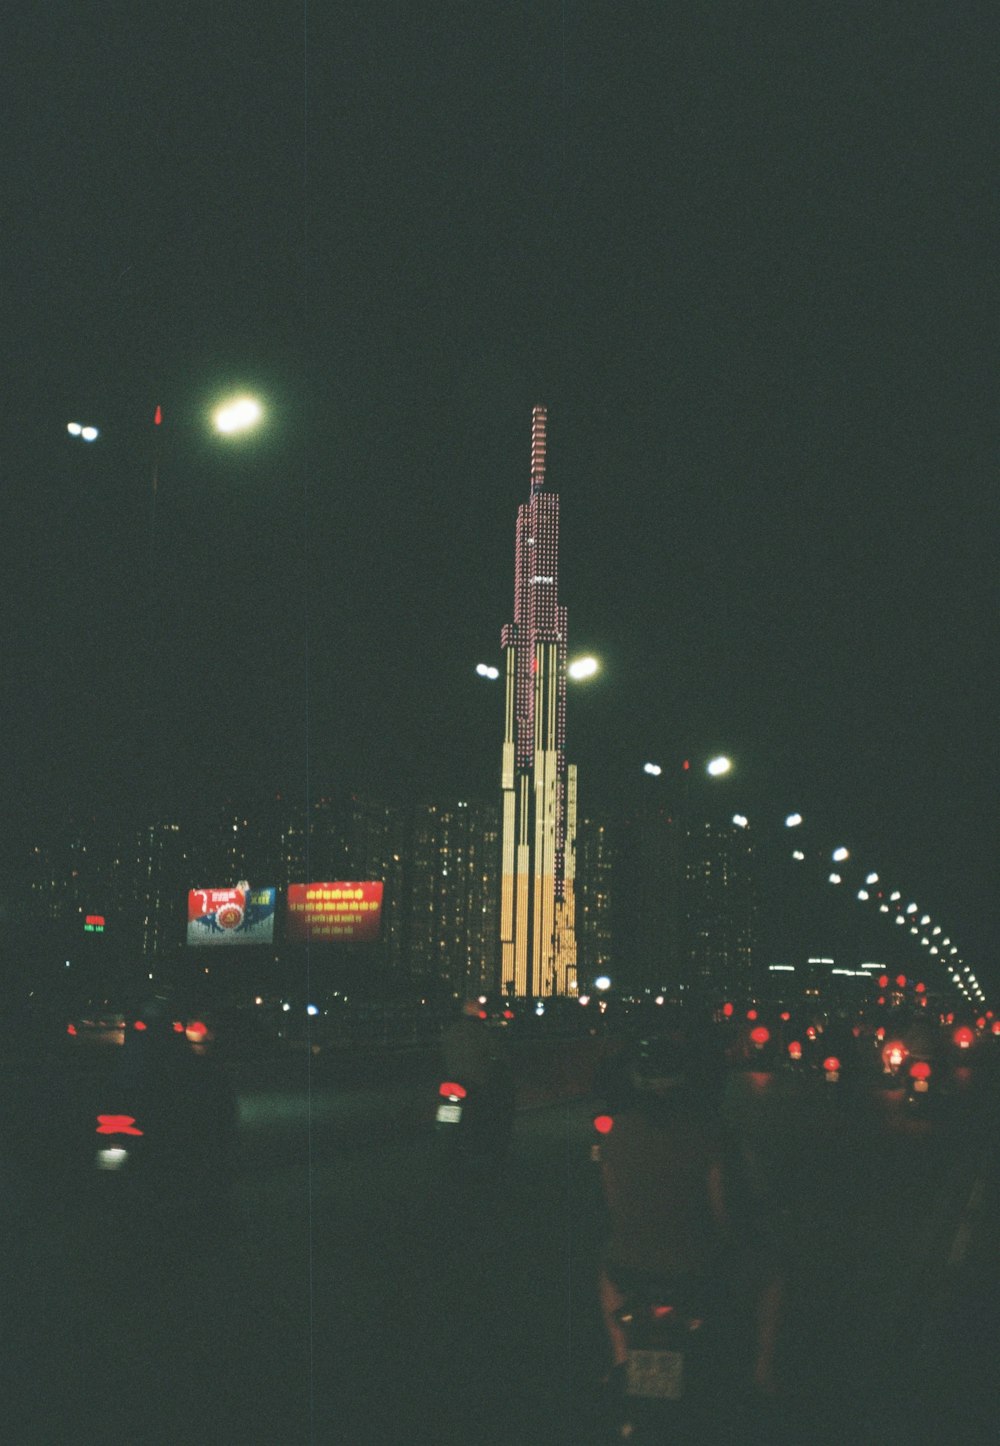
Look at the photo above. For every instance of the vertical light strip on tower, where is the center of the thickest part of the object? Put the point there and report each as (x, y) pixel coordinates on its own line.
(536, 924)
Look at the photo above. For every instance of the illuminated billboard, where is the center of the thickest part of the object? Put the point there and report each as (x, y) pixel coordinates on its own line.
(231, 916)
(336, 913)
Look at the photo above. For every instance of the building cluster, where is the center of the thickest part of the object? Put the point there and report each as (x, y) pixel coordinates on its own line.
(659, 904)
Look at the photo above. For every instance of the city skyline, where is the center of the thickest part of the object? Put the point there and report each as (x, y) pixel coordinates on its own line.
(743, 259)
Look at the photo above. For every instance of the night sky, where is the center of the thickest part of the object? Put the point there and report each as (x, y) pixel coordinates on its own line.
(745, 254)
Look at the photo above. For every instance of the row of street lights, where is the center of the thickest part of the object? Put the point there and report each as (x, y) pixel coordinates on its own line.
(930, 935)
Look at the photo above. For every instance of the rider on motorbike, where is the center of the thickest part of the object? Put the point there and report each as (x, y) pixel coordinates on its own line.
(680, 1202)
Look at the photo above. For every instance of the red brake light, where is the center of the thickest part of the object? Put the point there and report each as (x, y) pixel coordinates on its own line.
(795, 1049)
(452, 1090)
(195, 1031)
(760, 1035)
(751, 1014)
(963, 1037)
(604, 1124)
(894, 1052)
(920, 1069)
(178, 1027)
(785, 1016)
(71, 1029)
(727, 1010)
(139, 1024)
(117, 1125)
(831, 1064)
(995, 1026)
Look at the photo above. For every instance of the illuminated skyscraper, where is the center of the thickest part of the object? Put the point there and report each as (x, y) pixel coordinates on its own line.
(538, 788)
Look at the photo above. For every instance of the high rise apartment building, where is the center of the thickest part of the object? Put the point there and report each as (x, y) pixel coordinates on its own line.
(453, 934)
(538, 787)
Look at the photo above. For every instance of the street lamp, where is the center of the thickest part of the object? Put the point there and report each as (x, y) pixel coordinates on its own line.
(239, 415)
(582, 668)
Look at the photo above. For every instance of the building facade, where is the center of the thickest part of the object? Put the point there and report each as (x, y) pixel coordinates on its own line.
(538, 788)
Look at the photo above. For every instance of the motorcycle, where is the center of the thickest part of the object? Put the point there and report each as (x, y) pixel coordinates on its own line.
(473, 1123)
(677, 1379)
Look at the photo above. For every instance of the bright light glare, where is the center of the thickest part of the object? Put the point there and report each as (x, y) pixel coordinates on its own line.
(872, 879)
(89, 434)
(839, 855)
(603, 983)
(835, 879)
(741, 820)
(582, 668)
(74, 429)
(719, 766)
(653, 768)
(798, 854)
(237, 416)
(793, 820)
(486, 671)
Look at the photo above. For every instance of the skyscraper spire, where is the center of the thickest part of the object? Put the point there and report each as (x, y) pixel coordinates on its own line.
(539, 417)
(537, 936)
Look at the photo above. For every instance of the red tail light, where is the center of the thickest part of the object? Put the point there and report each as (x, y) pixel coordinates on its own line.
(196, 1031)
(831, 1064)
(895, 1052)
(795, 1049)
(920, 1069)
(117, 1125)
(963, 1037)
(178, 1027)
(760, 1036)
(604, 1124)
(451, 1090)
(139, 1024)
(71, 1029)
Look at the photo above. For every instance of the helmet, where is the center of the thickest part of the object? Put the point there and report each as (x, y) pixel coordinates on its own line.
(659, 1064)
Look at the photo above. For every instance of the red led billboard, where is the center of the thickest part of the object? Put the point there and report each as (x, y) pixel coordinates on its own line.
(337, 913)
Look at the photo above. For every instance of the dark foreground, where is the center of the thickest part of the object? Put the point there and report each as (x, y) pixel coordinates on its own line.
(356, 1293)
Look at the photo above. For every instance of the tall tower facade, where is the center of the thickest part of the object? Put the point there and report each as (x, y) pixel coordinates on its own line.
(538, 788)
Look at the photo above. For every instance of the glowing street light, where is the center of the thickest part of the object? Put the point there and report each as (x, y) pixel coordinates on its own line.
(583, 668)
(485, 670)
(652, 768)
(86, 434)
(239, 415)
(793, 820)
(718, 766)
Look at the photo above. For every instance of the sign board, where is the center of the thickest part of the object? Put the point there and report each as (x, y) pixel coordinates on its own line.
(336, 913)
(231, 916)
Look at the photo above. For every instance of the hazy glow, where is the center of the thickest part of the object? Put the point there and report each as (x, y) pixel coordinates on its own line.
(89, 434)
(582, 668)
(653, 768)
(798, 854)
(839, 855)
(719, 766)
(486, 671)
(603, 983)
(793, 820)
(872, 879)
(238, 415)
(836, 879)
(863, 894)
(741, 820)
